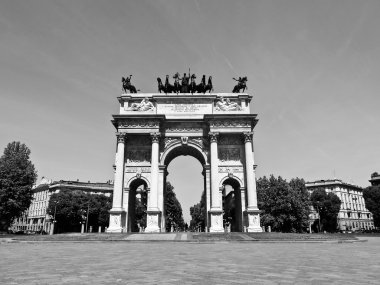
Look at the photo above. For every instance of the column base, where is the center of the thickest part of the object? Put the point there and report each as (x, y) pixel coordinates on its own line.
(254, 221)
(153, 221)
(216, 221)
(117, 221)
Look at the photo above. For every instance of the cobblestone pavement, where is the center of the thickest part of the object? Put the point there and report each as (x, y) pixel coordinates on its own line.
(190, 263)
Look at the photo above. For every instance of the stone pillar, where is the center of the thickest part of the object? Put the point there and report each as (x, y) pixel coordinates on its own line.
(126, 226)
(216, 212)
(252, 210)
(207, 183)
(161, 187)
(117, 213)
(153, 212)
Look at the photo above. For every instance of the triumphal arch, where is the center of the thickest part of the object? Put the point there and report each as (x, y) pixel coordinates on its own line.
(153, 128)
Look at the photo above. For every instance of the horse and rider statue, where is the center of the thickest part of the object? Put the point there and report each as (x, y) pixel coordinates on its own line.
(242, 84)
(186, 84)
(127, 85)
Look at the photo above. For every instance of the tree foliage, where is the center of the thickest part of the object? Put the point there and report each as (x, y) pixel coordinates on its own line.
(285, 205)
(328, 207)
(173, 210)
(70, 209)
(371, 197)
(17, 176)
(198, 214)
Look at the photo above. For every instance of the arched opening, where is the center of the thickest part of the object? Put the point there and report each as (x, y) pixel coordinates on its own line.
(185, 172)
(137, 205)
(232, 208)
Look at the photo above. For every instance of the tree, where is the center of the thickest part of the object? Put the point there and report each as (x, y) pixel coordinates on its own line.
(17, 176)
(173, 210)
(198, 214)
(285, 206)
(70, 209)
(371, 197)
(328, 206)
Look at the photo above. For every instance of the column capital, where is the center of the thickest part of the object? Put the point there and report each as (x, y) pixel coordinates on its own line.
(247, 136)
(213, 136)
(121, 137)
(155, 137)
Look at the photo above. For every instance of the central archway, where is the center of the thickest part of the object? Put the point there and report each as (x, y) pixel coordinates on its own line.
(176, 149)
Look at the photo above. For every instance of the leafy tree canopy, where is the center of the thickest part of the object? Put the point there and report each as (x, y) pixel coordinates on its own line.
(371, 197)
(285, 205)
(198, 214)
(173, 210)
(70, 209)
(328, 207)
(17, 176)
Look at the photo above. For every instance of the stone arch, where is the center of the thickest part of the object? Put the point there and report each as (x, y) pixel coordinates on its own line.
(178, 148)
(233, 177)
(133, 185)
(134, 178)
(232, 203)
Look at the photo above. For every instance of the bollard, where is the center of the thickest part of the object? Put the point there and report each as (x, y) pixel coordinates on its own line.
(100, 229)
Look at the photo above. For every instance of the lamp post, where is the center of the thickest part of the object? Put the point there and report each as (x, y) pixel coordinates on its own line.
(88, 209)
(54, 221)
(319, 217)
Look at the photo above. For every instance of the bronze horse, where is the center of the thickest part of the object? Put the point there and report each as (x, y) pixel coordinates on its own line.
(161, 86)
(127, 85)
(209, 86)
(242, 84)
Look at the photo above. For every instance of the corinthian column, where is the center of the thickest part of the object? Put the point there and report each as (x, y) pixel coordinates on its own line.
(117, 213)
(153, 212)
(216, 206)
(252, 210)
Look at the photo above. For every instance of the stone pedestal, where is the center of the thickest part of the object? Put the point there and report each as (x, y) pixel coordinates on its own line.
(153, 221)
(216, 216)
(117, 221)
(254, 221)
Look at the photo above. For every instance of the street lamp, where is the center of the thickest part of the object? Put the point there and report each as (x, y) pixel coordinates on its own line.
(54, 221)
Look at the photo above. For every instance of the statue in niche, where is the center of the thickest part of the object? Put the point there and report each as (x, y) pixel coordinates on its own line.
(127, 85)
(242, 84)
(144, 105)
(224, 104)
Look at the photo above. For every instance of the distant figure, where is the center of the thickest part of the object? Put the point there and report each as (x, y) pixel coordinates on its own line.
(185, 83)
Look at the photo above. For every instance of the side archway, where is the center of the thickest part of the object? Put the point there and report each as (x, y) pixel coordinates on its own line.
(137, 204)
(232, 204)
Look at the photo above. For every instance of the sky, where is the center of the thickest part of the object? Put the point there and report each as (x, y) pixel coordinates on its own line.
(312, 68)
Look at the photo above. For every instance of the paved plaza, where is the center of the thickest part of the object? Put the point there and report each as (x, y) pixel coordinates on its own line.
(121, 262)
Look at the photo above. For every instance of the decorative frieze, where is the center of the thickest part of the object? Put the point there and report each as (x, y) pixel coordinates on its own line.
(230, 123)
(138, 124)
(230, 169)
(137, 169)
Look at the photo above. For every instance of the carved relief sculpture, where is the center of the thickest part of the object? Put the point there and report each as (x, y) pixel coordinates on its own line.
(143, 106)
(224, 104)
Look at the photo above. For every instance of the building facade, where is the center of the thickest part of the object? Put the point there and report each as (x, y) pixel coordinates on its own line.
(353, 215)
(36, 217)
